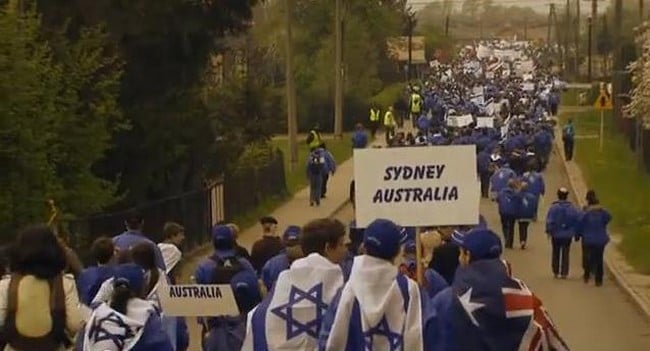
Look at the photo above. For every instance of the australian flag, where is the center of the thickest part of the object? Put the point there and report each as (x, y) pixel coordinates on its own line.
(496, 312)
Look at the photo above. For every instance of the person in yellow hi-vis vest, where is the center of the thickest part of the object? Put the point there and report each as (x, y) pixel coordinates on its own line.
(374, 120)
(314, 139)
(415, 106)
(389, 125)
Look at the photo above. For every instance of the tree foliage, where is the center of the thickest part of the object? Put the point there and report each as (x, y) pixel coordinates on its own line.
(58, 113)
(367, 26)
(167, 46)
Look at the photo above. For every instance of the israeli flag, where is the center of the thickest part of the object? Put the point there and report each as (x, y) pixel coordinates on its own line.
(377, 310)
(290, 317)
(109, 330)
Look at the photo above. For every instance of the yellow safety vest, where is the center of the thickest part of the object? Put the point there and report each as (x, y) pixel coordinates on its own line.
(416, 103)
(374, 115)
(316, 142)
(389, 119)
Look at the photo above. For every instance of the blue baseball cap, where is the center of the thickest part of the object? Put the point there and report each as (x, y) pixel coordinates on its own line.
(410, 247)
(129, 274)
(482, 244)
(292, 233)
(222, 236)
(382, 238)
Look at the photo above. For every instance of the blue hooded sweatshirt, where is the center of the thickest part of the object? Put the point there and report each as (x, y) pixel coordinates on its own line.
(592, 226)
(509, 202)
(562, 219)
(535, 183)
(501, 177)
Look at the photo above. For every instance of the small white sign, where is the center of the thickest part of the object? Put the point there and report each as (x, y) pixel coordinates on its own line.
(197, 300)
(485, 122)
(424, 186)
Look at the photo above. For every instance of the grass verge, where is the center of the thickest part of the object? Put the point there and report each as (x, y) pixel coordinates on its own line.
(620, 185)
(341, 149)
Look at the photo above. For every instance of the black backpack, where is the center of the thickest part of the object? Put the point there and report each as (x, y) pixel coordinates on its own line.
(316, 163)
(226, 268)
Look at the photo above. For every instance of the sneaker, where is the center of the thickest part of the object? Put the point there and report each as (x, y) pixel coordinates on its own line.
(599, 283)
(563, 277)
(586, 278)
(523, 245)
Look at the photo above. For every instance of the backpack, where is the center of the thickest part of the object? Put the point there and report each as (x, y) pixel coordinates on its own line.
(316, 163)
(49, 342)
(226, 268)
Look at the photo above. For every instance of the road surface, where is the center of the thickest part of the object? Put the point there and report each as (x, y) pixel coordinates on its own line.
(589, 318)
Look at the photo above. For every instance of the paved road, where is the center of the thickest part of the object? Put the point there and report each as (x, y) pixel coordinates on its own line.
(589, 318)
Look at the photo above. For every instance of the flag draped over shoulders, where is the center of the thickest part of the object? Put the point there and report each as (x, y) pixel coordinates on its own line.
(492, 311)
(290, 316)
(377, 310)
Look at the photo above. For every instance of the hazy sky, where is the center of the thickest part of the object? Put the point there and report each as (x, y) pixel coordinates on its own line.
(540, 5)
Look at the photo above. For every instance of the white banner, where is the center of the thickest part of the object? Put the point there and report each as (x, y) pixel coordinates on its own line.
(196, 300)
(485, 122)
(459, 121)
(418, 186)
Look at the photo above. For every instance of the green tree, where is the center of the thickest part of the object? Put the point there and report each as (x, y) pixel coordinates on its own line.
(166, 46)
(56, 119)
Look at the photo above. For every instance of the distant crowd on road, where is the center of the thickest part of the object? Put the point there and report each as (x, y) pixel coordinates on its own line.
(326, 287)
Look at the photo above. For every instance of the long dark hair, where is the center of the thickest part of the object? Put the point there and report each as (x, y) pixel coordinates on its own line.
(122, 293)
(37, 252)
(144, 255)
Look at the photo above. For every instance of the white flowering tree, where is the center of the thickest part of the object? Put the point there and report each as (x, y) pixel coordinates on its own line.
(640, 104)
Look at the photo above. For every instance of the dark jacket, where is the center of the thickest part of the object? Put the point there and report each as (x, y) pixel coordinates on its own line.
(445, 260)
(264, 249)
(592, 226)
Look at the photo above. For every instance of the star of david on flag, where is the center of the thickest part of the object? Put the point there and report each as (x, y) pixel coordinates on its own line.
(295, 327)
(111, 328)
(395, 340)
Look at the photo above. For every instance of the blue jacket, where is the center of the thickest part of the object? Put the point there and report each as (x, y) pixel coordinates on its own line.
(500, 178)
(131, 238)
(435, 283)
(528, 206)
(592, 226)
(543, 142)
(273, 267)
(424, 123)
(509, 202)
(535, 183)
(90, 280)
(562, 219)
(483, 162)
(359, 139)
(227, 333)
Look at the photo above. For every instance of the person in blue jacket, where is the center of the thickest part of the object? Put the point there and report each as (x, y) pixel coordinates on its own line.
(227, 333)
(500, 179)
(592, 230)
(91, 278)
(330, 169)
(133, 235)
(128, 321)
(292, 251)
(535, 182)
(509, 200)
(483, 167)
(561, 221)
(527, 212)
(360, 137)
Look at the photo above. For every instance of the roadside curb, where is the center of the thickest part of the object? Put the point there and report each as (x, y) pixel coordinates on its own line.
(616, 270)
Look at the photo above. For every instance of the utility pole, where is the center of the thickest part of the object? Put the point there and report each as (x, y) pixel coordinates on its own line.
(525, 28)
(641, 9)
(550, 17)
(619, 65)
(567, 30)
(447, 25)
(577, 37)
(594, 24)
(292, 121)
(590, 22)
(409, 67)
(338, 98)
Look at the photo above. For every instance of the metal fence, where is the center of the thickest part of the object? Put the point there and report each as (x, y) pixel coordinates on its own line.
(197, 211)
